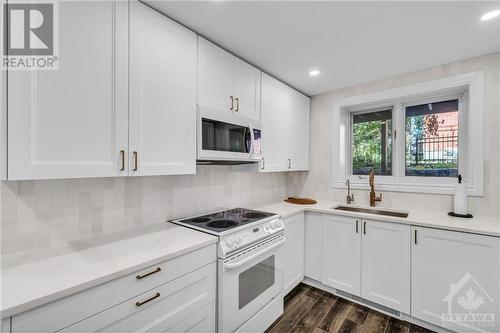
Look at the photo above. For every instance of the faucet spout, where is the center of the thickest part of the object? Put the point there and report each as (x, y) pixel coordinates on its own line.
(350, 197)
(373, 196)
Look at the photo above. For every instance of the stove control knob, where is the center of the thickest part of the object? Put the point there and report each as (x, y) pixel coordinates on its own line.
(273, 226)
(237, 240)
(229, 242)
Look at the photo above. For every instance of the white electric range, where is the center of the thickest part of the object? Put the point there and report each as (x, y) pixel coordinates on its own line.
(250, 266)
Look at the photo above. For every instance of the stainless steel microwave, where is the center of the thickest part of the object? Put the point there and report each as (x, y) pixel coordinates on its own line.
(221, 142)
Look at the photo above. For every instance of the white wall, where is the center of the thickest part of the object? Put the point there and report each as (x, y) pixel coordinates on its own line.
(47, 214)
(317, 183)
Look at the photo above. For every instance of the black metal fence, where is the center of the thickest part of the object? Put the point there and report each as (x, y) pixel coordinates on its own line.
(435, 156)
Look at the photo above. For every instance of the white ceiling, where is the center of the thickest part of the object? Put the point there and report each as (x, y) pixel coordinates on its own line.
(349, 42)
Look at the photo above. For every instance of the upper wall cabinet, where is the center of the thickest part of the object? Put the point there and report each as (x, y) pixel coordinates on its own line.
(285, 127)
(73, 122)
(227, 85)
(162, 94)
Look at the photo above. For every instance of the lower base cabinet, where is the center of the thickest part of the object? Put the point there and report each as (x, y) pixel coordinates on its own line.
(293, 250)
(313, 263)
(385, 262)
(159, 309)
(455, 280)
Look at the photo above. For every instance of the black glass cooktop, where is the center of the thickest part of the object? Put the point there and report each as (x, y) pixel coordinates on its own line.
(227, 219)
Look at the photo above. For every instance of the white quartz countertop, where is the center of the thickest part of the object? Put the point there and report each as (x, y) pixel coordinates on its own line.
(37, 282)
(489, 226)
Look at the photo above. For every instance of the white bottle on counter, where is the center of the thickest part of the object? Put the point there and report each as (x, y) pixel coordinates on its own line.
(460, 205)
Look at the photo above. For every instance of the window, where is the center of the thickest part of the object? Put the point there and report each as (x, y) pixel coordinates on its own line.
(417, 138)
(372, 142)
(432, 139)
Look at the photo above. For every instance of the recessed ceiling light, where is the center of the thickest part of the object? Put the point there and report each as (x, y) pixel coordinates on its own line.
(314, 72)
(490, 15)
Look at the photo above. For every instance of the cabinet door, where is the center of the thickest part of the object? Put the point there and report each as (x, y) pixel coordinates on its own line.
(73, 122)
(162, 94)
(215, 77)
(275, 102)
(456, 276)
(298, 132)
(313, 253)
(247, 90)
(294, 251)
(342, 253)
(202, 321)
(385, 276)
(5, 328)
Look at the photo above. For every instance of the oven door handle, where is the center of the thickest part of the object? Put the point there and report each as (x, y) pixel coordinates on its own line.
(244, 261)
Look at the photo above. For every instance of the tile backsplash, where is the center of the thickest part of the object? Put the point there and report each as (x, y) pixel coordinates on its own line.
(43, 214)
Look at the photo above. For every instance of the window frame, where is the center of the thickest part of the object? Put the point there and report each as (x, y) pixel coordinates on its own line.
(467, 88)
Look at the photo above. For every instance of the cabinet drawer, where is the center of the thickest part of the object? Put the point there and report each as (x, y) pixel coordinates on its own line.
(158, 309)
(202, 321)
(72, 309)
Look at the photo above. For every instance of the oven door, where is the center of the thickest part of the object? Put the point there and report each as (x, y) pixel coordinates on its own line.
(248, 281)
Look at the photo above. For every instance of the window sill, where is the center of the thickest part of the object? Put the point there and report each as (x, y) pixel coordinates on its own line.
(390, 184)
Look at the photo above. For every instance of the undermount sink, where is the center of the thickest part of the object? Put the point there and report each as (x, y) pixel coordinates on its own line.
(371, 211)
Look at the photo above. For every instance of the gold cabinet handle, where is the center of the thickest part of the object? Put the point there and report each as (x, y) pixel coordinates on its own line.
(232, 103)
(148, 300)
(139, 277)
(135, 161)
(237, 99)
(122, 160)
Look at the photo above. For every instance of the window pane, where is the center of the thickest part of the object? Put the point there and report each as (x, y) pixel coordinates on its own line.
(432, 139)
(372, 143)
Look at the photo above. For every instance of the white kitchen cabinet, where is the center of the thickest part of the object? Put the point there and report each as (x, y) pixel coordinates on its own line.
(163, 56)
(341, 238)
(247, 81)
(156, 310)
(285, 127)
(73, 122)
(202, 321)
(275, 102)
(293, 250)
(385, 274)
(227, 84)
(298, 132)
(313, 252)
(215, 77)
(455, 274)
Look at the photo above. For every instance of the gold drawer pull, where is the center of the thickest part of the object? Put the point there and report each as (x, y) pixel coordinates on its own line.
(148, 300)
(138, 277)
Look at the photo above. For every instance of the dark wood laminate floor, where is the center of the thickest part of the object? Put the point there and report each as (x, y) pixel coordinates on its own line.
(308, 309)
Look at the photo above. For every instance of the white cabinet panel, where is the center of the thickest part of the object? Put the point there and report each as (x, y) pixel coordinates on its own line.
(5, 328)
(293, 251)
(455, 275)
(202, 321)
(72, 122)
(215, 77)
(158, 309)
(298, 132)
(162, 94)
(285, 127)
(313, 254)
(275, 101)
(342, 253)
(247, 90)
(385, 276)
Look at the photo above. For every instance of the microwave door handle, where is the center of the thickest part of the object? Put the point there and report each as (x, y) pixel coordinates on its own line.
(252, 138)
(244, 261)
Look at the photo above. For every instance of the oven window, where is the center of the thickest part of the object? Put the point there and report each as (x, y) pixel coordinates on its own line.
(220, 136)
(255, 280)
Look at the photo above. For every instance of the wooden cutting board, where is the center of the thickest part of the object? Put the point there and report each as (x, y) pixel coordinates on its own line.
(301, 201)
